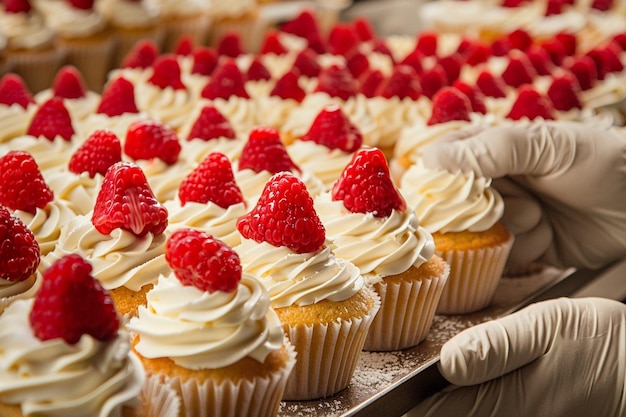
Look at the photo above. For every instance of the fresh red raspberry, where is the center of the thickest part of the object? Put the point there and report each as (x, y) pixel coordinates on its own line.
(364, 29)
(19, 250)
(284, 216)
(226, 81)
(22, 187)
(118, 98)
(166, 73)
(427, 43)
(519, 70)
(211, 181)
(13, 90)
(17, 6)
(211, 124)
(184, 46)
(257, 71)
(432, 80)
(126, 201)
(365, 185)
(584, 69)
(337, 81)
(342, 39)
(476, 98)
(307, 64)
(402, 83)
(305, 25)
(415, 60)
(101, 150)
(82, 4)
(51, 120)
(540, 60)
(229, 45)
(264, 151)
(452, 65)
(564, 92)
(204, 61)
(490, 85)
(530, 104)
(520, 39)
(569, 42)
(142, 55)
(272, 44)
(69, 83)
(357, 64)
(203, 261)
(72, 303)
(450, 104)
(149, 139)
(370, 83)
(333, 129)
(475, 52)
(287, 87)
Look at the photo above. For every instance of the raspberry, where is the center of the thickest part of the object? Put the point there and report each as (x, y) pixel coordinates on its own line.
(381, 47)
(569, 42)
(519, 70)
(432, 80)
(342, 39)
(148, 139)
(229, 45)
(22, 187)
(306, 26)
(370, 83)
(82, 4)
(584, 69)
(606, 59)
(554, 7)
(257, 71)
(284, 216)
(204, 61)
(520, 39)
(476, 98)
(563, 92)
(211, 181)
(501, 47)
(555, 49)
(357, 64)
(51, 120)
(452, 65)
(364, 29)
(167, 73)
(414, 59)
(365, 185)
(307, 64)
(226, 81)
(450, 104)
(203, 261)
(72, 303)
(69, 83)
(478, 53)
(184, 46)
(530, 104)
(13, 90)
(402, 83)
(337, 81)
(272, 44)
(427, 43)
(17, 6)
(19, 250)
(620, 40)
(142, 55)
(490, 85)
(118, 98)
(287, 87)
(333, 129)
(211, 124)
(540, 60)
(126, 201)
(265, 152)
(101, 150)
(602, 5)
(513, 3)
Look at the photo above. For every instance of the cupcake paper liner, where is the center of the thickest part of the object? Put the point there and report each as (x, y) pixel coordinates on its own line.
(92, 57)
(196, 27)
(258, 397)
(474, 278)
(406, 313)
(157, 400)
(37, 68)
(327, 355)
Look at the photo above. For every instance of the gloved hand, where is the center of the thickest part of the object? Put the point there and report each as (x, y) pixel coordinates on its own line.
(562, 357)
(563, 184)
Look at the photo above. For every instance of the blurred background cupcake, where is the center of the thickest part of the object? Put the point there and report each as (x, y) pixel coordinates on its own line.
(241, 16)
(187, 18)
(83, 34)
(130, 21)
(30, 49)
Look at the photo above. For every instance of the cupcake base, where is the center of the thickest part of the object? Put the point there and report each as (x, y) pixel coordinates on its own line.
(37, 68)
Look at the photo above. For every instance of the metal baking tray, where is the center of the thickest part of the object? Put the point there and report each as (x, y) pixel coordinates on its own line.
(391, 383)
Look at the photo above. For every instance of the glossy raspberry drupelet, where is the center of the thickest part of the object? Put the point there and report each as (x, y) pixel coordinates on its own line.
(101, 150)
(51, 119)
(264, 151)
(149, 139)
(333, 129)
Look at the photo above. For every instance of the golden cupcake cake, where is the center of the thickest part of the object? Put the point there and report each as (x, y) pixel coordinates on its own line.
(208, 331)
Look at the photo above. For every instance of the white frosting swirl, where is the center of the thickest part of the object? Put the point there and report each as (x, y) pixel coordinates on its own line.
(15, 290)
(324, 163)
(176, 8)
(378, 246)
(14, 120)
(69, 21)
(232, 9)
(78, 108)
(50, 155)
(202, 330)
(168, 105)
(26, 31)
(299, 278)
(446, 202)
(128, 14)
(78, 191)
(46, 223)
(54, 378)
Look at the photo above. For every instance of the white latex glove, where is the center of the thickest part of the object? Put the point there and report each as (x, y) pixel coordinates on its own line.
(563, 357)
(563, 184)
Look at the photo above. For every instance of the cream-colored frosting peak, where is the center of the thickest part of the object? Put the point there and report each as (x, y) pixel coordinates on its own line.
(69, 21)
(118, 259)
(128, 14)
(14, 120)
(378, 246)
(26, 31)
(46, 223)
(202, 330)
(324, 163)
(50, 155)
(446, 202)
(176, 8)
(15, 290)
(54, 378)
(299, 278)
(78, 191)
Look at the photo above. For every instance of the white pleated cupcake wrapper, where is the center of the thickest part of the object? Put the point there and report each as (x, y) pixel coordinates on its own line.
(327, 355)
(474, 278)
(406, 313)
(259, 397)
(158, 400)
(37, 68)
(92, 59)
(197, 29)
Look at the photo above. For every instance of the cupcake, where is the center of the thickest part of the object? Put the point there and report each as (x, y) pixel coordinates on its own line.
(370, 225)
(122, 237)
(240, 16)
(463, 214)
(322, 301)
(188, 18)
(208, 332)
(19, 259)
(83, 34)
(70, 323)
(31, 50)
